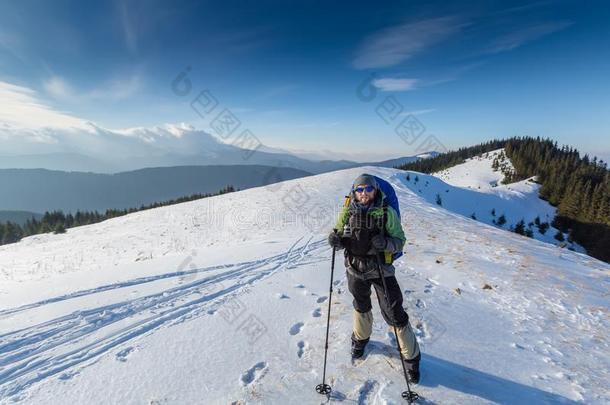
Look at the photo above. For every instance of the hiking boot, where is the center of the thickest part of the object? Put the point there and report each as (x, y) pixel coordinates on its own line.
(358, 347)
(413, 376)
(412, 367)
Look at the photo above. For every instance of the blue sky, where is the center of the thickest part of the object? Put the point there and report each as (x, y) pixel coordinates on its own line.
(290, 71)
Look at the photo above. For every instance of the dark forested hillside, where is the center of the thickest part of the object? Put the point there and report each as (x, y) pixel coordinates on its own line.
(578, 186)
(58, 221)
(450, 159)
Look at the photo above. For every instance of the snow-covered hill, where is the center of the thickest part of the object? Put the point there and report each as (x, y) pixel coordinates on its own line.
(474, 189)
(223, 300)
(478, 172)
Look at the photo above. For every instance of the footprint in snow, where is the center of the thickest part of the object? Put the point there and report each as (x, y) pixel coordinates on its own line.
(282, 296)
(302, 345)
(365, 392)
(254, 373)
(123, 354)
(317, 313)
(321, 299)
(296, 328)
(67, 375)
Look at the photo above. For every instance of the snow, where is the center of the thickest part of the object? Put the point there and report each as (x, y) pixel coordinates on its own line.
(473, 187)
(476, 172)
(224, 300)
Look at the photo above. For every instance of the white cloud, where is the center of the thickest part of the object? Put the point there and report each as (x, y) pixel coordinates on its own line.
(392, 84)
(519, 37)
(396, 44)
(22, 109)
(28, 125)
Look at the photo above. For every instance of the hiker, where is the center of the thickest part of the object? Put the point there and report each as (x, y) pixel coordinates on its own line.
(370, 232)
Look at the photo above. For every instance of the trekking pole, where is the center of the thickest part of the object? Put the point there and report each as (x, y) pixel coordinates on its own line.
(324, 388)
(410, 396)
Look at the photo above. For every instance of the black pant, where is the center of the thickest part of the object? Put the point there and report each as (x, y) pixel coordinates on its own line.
(392, 311)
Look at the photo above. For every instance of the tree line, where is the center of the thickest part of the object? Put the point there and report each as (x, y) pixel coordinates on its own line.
(578, 186)
(452, 158)
(58, 222)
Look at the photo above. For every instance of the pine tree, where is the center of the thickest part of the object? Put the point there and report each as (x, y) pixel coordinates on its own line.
(11, 234)
(501, 220)
(59, 228)
(520, 227)
(543, 227)
(602, 212)
(570, 205)
(586, 212)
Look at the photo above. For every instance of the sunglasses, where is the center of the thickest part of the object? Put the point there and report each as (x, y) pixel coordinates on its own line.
(368, 189)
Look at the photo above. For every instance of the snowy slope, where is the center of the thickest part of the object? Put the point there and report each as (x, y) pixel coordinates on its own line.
(224, 300)
(476, 173)
(473, 188)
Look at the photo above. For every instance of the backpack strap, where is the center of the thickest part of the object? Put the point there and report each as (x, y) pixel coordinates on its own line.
(348, 200)
(386, 255)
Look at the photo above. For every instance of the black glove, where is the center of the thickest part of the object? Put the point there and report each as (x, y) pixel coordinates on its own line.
(334, 240)
(379, 242)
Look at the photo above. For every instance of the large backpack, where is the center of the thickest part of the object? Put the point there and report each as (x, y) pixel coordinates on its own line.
(390, 200)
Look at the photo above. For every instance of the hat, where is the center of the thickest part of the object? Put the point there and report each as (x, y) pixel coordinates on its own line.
(365, 179)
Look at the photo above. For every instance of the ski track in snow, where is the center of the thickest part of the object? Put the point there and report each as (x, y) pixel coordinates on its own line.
(63, 344)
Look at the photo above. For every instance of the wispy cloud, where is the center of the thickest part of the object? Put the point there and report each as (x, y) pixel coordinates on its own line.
(113, 90)
(279, 90)
(118, 88)
(417, 112)
(318, 124)
(521, 8)
(521, 36)
(394, 84)
(58, 88)
(396, 44)
(21, 108)
(129, 32)
(13, 44)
